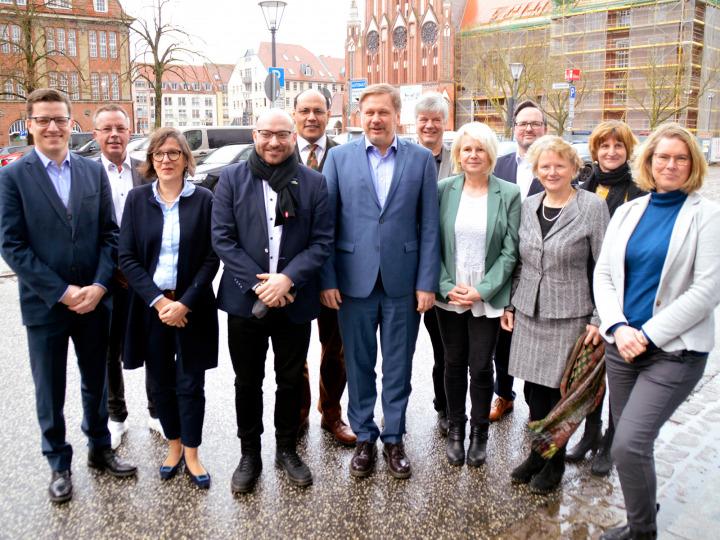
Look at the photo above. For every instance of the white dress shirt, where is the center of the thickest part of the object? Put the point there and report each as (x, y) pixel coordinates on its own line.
(120, 183)
(274, 231)
(524, 176)
(304, 148)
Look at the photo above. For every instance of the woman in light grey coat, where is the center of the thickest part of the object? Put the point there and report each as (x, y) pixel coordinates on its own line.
(657, 283)
(561, 231)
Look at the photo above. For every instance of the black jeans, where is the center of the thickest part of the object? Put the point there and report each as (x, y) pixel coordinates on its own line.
(178, 393)
(540, 399)
(117, 407)
(248, 342)
(430, 319)
(469, 342)
(503, 380)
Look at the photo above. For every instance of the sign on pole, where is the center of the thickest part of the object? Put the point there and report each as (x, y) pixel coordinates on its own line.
(571, 106)
(572, 75)
(356, 88)
(560, 86)
(279, 73)
(409, 96)
(272, 87)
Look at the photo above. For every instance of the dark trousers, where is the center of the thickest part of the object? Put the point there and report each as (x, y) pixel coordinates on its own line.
(48, 347)
(178, 392)
(430, 318)
(115, 383)
(469, 343)
(643, 396)
(398, 321)
(503, 381)
(332, 369)
(248, 339)
(540, 399)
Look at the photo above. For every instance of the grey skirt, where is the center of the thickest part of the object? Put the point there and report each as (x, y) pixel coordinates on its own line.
(540, 347)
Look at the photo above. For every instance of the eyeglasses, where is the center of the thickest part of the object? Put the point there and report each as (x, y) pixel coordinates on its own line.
(172, 155)
(44, 121)
(108, 130)
(266, 134)
(525, 125)
(316, 112)
(664, 159)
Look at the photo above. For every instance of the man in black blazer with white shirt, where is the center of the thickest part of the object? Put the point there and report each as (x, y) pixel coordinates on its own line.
(112, 132)
(272, 229)
(529, 124)
(58, 234)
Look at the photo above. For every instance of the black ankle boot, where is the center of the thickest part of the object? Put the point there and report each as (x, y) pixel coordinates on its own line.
(455, 445)
(477, 452)
(523, 473)
(549, 478)
(589, 441)
(602, 462)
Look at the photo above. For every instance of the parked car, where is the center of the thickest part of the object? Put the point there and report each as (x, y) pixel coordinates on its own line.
(80, 139)
(350, 135)
(506, 147)
(16, 153)
(208, 173)
(89, 150)
(204, 139)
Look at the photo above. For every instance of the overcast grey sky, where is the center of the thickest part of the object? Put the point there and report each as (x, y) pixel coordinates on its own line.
(228, 28)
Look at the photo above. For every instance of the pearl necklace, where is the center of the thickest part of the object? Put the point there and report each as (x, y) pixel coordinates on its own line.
(561, 209)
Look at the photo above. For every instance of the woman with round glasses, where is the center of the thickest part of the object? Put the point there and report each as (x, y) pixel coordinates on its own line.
(657, 283)
(166, 255)
(611, 147)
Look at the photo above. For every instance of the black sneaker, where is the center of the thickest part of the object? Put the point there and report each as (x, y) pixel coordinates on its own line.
(297, 472)
(246, 473)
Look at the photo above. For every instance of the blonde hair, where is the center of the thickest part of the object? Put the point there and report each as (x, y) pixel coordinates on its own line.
(642, 168)
(620, 131)
(479, 132)
(552, 143)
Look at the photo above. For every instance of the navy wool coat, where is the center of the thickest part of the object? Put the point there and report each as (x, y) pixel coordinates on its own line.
(140, 240)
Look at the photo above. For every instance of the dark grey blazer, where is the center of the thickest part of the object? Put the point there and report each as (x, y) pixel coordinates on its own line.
(137, 180)
(553, 275)
(506, 168)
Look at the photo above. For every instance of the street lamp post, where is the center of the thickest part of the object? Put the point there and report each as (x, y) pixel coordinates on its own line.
(710, 96)
(516, 69)
(273, 12)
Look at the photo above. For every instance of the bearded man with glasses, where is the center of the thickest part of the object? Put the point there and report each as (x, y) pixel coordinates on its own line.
(272, 230)
(58, 234)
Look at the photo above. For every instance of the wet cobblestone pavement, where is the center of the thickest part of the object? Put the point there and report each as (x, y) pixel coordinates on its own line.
(439, 501)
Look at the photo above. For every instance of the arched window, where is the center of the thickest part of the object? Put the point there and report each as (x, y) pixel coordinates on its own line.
(16, 128)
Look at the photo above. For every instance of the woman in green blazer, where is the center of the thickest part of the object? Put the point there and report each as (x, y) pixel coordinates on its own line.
(479, 221)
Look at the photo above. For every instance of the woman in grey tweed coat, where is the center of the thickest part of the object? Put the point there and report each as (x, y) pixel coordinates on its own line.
(561, 231)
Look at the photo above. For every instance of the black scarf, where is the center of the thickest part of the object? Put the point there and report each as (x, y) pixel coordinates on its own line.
(279, 177)
(619, 183)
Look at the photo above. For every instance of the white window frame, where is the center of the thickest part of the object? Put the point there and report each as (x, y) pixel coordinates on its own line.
(105, 87)
(114, 87)
(72, 42)
(60, 40)
(58, 4)
(112, 44)
(102, 38)
(101, 6)
(95, 86)
(50, 41)
(74, 85)
(63, 82)
(92, 44)
(5, 36)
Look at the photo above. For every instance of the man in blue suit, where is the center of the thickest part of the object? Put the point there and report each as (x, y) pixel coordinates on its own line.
(58, 234)
(384, 270)
(271, 228)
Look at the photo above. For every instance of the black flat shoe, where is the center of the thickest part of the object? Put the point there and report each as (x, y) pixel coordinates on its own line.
(167, 472)
(60, 488)
(201, 480)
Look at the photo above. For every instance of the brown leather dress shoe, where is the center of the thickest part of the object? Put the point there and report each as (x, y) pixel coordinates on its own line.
(500, 408)
(363, 460)
(340, 430)
(396, 460)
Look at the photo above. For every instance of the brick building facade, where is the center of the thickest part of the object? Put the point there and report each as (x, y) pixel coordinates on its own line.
(81, 49)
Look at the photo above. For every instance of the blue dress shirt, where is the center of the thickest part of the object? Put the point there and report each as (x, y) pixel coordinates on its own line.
(165, 276)
(59, 176)
(382, 168)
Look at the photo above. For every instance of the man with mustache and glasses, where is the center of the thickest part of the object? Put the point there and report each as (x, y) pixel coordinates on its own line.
(272, 230)
(112, 132)
(58, 234)
(311, 117)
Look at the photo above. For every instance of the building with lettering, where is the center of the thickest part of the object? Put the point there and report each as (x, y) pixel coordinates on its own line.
(77, 46)
(644, 62)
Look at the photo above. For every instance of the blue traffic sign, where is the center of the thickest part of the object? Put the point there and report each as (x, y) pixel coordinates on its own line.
(358, 84)
(572, 91)
(23, 134)
(279, 73)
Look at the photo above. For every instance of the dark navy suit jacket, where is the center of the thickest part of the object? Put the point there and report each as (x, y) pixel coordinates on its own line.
(197, 264)
(240, 238)
(506, 168)
(49, 246)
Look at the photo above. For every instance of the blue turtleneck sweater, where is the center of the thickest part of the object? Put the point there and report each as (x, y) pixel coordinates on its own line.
(645, 255)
